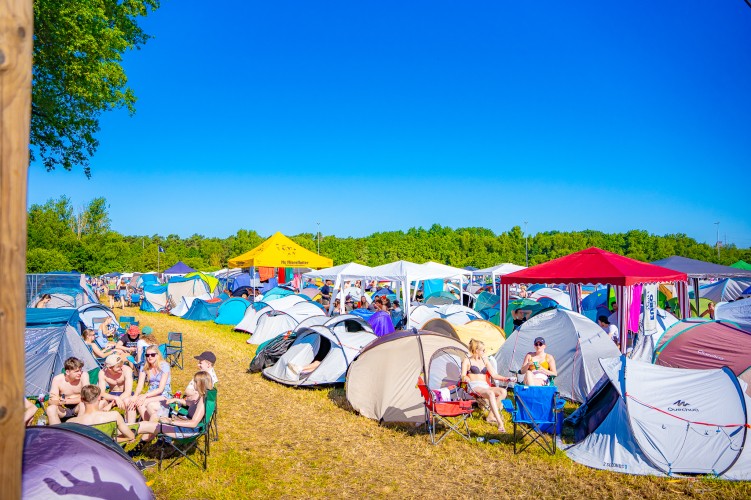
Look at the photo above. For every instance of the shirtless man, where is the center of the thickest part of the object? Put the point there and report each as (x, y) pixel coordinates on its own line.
(65, 392)
(119, 377)
(92, 415)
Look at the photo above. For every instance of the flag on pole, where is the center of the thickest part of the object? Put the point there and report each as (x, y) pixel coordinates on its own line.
(161, 250)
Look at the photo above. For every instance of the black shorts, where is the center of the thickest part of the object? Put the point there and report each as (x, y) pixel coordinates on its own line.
(70, 411)
(112, 293)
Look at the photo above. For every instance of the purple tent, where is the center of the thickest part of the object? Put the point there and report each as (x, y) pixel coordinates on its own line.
(73, 459)
(381, 323)
(179, 268)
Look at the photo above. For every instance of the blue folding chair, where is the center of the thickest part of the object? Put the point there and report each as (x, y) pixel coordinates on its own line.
(537, 411)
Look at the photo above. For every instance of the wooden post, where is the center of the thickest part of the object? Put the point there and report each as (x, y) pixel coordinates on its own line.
(16, 25)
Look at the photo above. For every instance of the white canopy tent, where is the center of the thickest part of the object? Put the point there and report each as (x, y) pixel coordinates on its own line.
(404, 273)
(496, 271)
(335, 274)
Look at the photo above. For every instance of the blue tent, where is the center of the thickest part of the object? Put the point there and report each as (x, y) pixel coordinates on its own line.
(232, 311)
(239, 280)
(203, 310)
(51, 337)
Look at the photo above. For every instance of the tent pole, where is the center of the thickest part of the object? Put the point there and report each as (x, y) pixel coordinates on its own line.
(695, 283)
(16, 37)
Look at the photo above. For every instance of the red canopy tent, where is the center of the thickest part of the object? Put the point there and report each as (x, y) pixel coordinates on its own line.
(594, 266)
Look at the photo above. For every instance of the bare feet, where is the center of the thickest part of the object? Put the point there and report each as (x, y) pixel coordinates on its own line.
(501, 428)
(491, 419)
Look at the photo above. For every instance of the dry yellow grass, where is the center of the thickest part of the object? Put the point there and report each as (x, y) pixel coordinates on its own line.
(277, 441)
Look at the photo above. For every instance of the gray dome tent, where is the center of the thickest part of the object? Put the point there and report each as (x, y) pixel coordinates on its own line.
(572, 339)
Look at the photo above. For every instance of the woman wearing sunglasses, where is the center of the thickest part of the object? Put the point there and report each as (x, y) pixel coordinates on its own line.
(156, 371)
(538, 366)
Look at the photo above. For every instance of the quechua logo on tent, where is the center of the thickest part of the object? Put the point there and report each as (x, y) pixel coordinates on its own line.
(681, 405)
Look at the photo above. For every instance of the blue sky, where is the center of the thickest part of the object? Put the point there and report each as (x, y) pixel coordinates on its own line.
(378, 115)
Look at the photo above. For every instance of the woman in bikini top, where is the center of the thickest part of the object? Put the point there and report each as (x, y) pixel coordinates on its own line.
(477, 384)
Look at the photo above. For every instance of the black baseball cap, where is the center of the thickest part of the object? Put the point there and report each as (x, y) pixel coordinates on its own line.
(538, 340)
(207, 356)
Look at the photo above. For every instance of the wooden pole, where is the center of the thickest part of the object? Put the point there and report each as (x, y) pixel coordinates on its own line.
(16, 25)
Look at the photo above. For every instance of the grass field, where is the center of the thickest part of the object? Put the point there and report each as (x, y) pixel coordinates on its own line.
(276, 441)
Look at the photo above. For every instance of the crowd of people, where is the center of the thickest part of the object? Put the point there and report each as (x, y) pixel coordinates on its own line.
(133, 394)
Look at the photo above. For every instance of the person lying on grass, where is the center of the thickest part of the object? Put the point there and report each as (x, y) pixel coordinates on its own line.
(182, 427)
(474, 371)
(156, 371)
(92, 415)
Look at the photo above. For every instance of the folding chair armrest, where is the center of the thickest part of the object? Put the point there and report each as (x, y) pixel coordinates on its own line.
(508, 406)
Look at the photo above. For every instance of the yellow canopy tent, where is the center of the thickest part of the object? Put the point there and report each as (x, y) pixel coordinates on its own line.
(280, 251)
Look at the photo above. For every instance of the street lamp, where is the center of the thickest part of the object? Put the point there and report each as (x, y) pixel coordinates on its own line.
(318, 237)
(718, 238)
(526, 244)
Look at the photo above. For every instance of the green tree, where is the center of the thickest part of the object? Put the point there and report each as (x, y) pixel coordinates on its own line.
(77, 73)
(41, 260)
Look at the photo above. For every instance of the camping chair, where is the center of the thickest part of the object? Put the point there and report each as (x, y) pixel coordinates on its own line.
(99, 361)
(181, 411)
(126, 321)
(135, 299)
(453, 414)
(174, 349)
(536, 409)
(184, 445)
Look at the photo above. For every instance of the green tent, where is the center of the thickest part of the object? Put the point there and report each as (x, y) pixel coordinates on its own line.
(742, 265)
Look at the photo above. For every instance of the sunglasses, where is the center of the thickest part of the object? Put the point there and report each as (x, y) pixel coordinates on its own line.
(150, 354)
(538, 344)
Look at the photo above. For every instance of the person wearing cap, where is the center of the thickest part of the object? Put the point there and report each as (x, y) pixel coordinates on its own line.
(538, 366)
(608, 328)
(206, 361)
(119, 378)
(129, 342)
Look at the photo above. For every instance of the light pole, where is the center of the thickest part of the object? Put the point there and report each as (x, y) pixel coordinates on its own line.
(318, 237)
(718, 238)
(526, 244)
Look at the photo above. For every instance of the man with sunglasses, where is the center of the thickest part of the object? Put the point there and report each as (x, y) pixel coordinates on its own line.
(538, 366)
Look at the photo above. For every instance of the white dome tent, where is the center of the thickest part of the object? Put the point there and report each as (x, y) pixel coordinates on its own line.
(335, 344)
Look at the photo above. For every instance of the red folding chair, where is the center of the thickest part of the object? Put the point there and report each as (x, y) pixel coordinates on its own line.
(452, 414)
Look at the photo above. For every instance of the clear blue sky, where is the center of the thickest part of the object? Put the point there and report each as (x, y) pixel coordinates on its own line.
(381, 115)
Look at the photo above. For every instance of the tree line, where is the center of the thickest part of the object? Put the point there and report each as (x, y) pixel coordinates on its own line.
(62, 237)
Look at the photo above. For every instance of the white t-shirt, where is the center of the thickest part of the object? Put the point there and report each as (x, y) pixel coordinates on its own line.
(192, 387)
(612, 332)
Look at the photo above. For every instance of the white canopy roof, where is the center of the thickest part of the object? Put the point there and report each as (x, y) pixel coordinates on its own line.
(499, 270)
(332, 273)
(403, 270)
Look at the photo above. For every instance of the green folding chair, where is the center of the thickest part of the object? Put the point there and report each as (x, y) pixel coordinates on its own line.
(200, 443)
